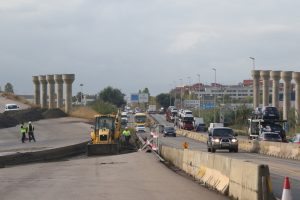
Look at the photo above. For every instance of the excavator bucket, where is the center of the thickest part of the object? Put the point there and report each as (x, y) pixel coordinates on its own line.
(102, 149)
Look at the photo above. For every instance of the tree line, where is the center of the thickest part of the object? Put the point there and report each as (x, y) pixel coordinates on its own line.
(8, 88)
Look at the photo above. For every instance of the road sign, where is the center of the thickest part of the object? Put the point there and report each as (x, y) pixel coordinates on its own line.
(143, 98)
(134, 98)
(207, 106)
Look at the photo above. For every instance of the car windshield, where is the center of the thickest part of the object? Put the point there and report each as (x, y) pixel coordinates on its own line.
(222, 132)
(12, 107)
(271, 110)
(169, 129)
(104, 122)
(190, 119)
(272, 136)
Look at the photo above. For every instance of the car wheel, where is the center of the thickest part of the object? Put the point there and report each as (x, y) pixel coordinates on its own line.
(230, 150)
(208, 149)
(236, 150)
(213, 150)
(164, 135)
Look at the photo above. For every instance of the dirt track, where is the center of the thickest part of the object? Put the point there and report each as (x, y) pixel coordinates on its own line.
(4, 101)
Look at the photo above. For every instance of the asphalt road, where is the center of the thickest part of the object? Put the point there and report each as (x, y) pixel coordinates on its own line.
(50, 133)
(279, 168)
(131, 176)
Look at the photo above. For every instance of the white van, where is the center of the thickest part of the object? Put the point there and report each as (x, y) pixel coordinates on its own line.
(11, 106)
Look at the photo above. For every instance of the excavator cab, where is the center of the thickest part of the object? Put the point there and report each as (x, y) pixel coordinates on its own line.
(103, 130)
(105, 135)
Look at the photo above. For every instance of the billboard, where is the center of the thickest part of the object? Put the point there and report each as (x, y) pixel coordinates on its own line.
(134, 98)
(143, 98)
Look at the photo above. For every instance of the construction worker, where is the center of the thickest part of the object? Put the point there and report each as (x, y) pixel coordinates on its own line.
(23, 132)
(127, 135)
(30, 130)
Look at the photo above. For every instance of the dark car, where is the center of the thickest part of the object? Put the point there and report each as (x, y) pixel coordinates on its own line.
(269, 112)
(222, 138)
(266, 112)
(276, 128)
(169, 131)
(200, 128)
(270, 136)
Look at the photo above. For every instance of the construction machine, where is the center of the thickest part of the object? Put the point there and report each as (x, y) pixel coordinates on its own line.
(105, 136)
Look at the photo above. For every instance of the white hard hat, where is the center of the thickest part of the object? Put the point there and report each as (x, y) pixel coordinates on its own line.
(29, 122)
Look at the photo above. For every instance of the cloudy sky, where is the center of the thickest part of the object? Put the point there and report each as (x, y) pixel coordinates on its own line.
(132, 44)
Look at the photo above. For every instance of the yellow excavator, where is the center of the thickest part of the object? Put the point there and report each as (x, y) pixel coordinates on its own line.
(105, 136)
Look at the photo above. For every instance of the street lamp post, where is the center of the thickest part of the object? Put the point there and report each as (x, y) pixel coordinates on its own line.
(181, 86)
(175, 93)
(170, 95)
(81, 95)
(215, 100)
(199, 94)
(253, 62)
(189, 83)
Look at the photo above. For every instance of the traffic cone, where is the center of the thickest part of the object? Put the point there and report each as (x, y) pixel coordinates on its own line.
(286, 193)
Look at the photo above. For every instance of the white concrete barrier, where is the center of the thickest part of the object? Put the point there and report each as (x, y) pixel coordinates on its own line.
(237, 178)
(277, 149)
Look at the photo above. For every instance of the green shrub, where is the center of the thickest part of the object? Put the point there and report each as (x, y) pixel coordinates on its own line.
(104, 107)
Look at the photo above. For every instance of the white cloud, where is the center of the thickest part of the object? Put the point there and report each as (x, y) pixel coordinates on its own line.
(188, 41)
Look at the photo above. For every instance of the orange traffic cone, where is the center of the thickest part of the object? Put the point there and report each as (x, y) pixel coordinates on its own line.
(286, 193)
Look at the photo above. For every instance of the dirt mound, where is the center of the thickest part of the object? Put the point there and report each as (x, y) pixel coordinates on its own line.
(26, 115)
(13, 118)
(7, 121)
(54, 113)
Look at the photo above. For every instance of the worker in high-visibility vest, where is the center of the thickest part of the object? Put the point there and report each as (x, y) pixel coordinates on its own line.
(127, 136)
(30, 130)
(23, 132)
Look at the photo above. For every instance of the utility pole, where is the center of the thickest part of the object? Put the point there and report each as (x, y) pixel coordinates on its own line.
(81, 95)
(253, 62)
(215, 96)
(199, 94)
(181, 86)
(189, 83)
(170, 95)
(175, 93)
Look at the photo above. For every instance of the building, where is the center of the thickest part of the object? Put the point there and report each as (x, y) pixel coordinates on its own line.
(206, 93)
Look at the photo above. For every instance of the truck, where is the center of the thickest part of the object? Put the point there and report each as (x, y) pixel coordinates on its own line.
(171, 114)
(215, 125)
(186, 122)
(199, 124)
(151, 109)
(258, 126)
